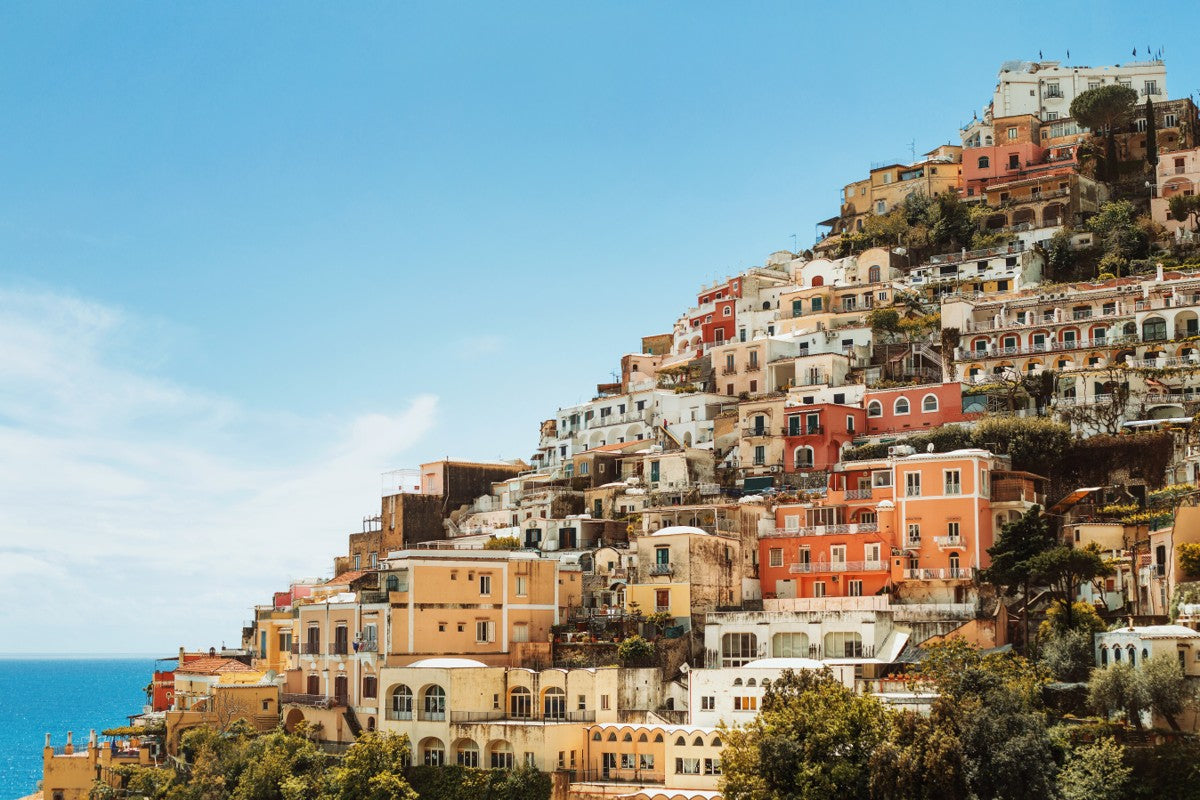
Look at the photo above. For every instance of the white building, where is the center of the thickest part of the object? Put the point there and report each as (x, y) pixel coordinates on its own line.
(1046, 88)
(1137, 645)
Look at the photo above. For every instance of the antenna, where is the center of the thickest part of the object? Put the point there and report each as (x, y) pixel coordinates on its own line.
(912, 149)
(795, 245)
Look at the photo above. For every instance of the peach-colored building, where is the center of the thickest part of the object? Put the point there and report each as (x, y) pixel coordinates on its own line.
(1178, 173)
(915, 523)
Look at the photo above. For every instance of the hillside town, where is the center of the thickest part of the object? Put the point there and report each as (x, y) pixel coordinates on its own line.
(823, 466)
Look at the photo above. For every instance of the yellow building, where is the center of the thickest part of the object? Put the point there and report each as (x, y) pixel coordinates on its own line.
(68, 773)
(939, 170)
(650, 762)
(684, 571)
(212, 692)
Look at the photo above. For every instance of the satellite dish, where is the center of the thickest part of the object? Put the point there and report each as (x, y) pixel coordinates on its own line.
(929, 447)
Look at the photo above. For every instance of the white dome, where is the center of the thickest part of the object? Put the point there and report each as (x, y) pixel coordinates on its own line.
(674, 529)
(447, 663)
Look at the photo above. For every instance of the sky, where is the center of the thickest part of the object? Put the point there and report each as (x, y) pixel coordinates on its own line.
(252, 255)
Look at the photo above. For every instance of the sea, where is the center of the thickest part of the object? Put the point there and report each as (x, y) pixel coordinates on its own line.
(56, 694)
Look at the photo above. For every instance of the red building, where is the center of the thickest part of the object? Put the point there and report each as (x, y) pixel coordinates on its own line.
(815, 434)
(914, 408)
(716, 312)
(162, 686)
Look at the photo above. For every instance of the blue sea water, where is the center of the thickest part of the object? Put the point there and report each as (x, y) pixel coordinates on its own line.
(56, 695)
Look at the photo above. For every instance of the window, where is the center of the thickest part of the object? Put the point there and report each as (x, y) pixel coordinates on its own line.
(1012, 133)
(953, 481)
(873, 274)
(880, 207)
(687, 766)
(712, 766)
(738, 649)
(1154, 329)
(1014, 161)
(662, 600)
(984, 488)
(485, 585)
(745, 703)
(775, 557)
(803, 458)
(401, 704)
(369, 686)
(843, 644)
(434, 704)
(1170, 121)
(914, 533)
(819, 589)
(881, 479)
(1150, 87)
(984, 162)
(520, 703)
(818, 304)
(485, 632)
(790, 645)
(604, 702)
(849, 424)
(433, 752)
(855, 588)
(874, 409)
(708, 703)
(900, 406)
(760, 455)
(912, 484)
(929, 404)
(1052, 90)
(522, 586)
(502, 756)
(646, 761)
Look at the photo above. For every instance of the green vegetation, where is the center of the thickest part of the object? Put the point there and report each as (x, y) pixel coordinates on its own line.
(243, 765)
(1101, 110)
(923, 225)
(502, 543)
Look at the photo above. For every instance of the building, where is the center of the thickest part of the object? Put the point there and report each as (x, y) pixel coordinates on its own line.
(914, 524)
(685, 571)
(649, 762)
(1042, 201)
(70, 773)
(939, 170)
(906, 409)
(494, 606)
(1177, 174)
(1047, 88)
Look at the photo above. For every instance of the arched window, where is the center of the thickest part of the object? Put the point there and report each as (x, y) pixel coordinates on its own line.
(520, 703)
(1132, 656)
(818, 280)
(612, 737)
(738, 649)
(681, 742)
(628, 737)
(752, 682)
(643, 738)
(1104, 656)
(803, 458)
(716, 742)
(433, 704)
(900, 406)
(393, 583)
(873, 274)
(1154, 329)
(1116, 653)
(596, 736)
(467, 754)
(874, 409)
(1145, 655)
(501, 755)
(554, 703)
(929, 404)
(789, 645)
(401, 706)
(737, 681)
(433, 752)
(954, 565)
(658, 737)
(983, 162)
(698, 742)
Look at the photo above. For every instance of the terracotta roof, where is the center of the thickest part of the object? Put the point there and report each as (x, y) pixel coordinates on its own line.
(346, 577)
(212, 666)
(619, 446)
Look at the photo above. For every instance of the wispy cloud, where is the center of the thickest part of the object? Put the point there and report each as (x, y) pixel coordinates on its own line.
(130, 517)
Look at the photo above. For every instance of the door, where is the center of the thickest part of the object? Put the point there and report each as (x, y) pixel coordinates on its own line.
(610, 764)
(314, 684)
(341, 640)
(341, 690)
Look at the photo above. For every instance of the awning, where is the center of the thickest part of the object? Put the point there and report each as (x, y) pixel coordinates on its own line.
(1071, 500)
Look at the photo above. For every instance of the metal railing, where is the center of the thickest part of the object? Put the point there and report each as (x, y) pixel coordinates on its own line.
(499, 715)
(661, 569)
(942, 574)
(313, 700)
(398, 715)
(838, 566)
(826, 530)
(859, 494)
(312, 648)
(614, 775)
(948, 541)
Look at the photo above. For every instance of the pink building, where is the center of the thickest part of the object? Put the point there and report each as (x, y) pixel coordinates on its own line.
(914, 408)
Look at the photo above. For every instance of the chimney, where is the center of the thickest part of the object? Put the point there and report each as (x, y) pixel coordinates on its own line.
(70, 748)
(92, 740)
(1158, 272)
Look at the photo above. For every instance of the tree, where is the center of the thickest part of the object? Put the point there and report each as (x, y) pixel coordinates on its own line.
(884, 321)
(1185, 207)
(952, 227)
(1012, 557)
(373, 769)
(922, 759)
(1118, 689)
(1189, 560)
(1064, 569)
(502, 543)
(813, 739)
(1123, 239)
(280, 766)
(1096, 771)
(1168, 690)
(635, 651)
(1151, 135)
(1100, 110)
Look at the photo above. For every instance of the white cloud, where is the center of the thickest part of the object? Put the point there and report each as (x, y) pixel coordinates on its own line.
(130, 520)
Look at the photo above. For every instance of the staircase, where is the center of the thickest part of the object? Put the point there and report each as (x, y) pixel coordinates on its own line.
(352, 721)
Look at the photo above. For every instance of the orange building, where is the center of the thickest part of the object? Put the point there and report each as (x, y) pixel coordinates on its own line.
(917, 523)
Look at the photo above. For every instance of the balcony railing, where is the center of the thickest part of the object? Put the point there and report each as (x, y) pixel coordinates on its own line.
(499, 715)
(661, 569)
(432, 715)
(339, 649)
(826, 530)
(311, 648)
(944, 542)
(859, 494)
(838, 566)
(614, 775)
(397, 715)
(313, 700)
(943, 574)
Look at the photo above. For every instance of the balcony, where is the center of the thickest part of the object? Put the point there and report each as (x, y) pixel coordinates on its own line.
(763, 430)
(339, 649)
(912, 543)
(662, 569)
(473, 717)
(311, 648)
(826, 530)
(837, 566)
(432, 715)
(944, 574)
(398, 716)
(614, 775)
(811, 430)
(312, 700)
(948, 542)
(859, 494)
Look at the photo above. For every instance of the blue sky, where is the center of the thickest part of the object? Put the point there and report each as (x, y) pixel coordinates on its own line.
(251, 255)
